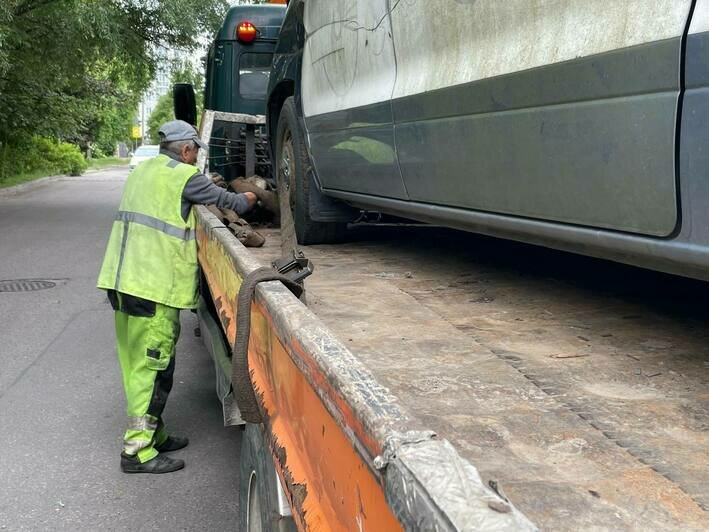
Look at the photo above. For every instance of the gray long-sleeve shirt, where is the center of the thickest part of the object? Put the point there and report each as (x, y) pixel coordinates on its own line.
(200, 190)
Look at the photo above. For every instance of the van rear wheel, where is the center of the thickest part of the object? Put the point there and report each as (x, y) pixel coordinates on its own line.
(293, 169)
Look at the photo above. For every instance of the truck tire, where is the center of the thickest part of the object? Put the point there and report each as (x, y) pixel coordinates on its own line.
(258, 497)
(293, 168)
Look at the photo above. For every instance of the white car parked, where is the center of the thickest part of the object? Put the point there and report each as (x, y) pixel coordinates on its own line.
(143, 153)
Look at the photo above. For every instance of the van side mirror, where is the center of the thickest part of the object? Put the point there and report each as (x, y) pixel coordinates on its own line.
(185, 104)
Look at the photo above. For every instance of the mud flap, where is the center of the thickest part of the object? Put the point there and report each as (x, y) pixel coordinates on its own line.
(326, 209)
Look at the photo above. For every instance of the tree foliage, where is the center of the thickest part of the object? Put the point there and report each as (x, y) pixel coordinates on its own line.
(74, 69)
(39, 155)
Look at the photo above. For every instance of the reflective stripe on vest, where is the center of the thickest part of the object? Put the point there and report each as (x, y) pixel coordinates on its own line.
(155, 223)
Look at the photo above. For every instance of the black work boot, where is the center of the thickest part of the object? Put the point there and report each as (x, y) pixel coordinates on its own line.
(172, 443)
(159, 464)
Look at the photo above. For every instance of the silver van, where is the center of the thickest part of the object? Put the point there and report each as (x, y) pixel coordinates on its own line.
(580, 125)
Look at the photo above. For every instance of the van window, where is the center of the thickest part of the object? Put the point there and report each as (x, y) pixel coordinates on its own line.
(254, 69)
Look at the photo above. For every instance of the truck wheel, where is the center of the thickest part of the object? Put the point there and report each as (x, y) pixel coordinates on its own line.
(292, 169)
(258, 497)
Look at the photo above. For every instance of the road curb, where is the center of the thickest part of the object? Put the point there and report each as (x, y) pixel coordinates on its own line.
(29, 185)
(36, 183)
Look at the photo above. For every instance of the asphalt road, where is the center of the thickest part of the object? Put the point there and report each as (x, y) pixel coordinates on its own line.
(61, 400)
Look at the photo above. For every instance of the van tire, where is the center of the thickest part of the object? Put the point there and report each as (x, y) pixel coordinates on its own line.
(292, 164)
(258, 499)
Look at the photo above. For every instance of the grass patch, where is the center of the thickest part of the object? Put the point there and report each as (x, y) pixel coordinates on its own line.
(97, 164)
(18, 179)
(105, 162)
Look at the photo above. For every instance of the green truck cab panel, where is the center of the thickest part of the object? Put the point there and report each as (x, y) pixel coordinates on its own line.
(237, 73)
(236, 82)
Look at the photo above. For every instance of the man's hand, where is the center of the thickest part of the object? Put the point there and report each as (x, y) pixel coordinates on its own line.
(252, 199)
(268, 198)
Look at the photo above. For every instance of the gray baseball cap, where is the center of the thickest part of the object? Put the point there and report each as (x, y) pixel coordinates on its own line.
(180, 130)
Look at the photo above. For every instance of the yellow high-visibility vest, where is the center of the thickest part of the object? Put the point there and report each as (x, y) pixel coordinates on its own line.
(152, 251)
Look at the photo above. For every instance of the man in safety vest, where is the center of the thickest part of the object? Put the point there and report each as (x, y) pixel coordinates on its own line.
(150, 273)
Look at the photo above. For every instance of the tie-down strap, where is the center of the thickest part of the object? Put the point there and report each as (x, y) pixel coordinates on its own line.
(240, 372)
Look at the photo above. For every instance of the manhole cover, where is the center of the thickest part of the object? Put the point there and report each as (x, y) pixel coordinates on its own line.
(25, 285)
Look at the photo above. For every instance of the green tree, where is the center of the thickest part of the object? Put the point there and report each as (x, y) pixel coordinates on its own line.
(73, 69)
(112, 123)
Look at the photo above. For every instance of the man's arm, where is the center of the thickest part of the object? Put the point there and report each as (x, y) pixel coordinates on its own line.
(200, 190)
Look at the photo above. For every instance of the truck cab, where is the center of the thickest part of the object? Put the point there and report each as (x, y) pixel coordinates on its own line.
(238, 68)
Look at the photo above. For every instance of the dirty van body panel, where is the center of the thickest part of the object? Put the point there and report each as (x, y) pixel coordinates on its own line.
(285, 82)
(685, 254)
(354, 150)
(561, 111)
(549, 111)
(587, 142)
(693, 152)
(348, 64)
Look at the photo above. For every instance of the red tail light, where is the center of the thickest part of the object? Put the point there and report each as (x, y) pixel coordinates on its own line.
(246, 32)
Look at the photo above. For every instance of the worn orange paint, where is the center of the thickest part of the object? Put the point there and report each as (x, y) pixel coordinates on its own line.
(222, 278)
(340, 490)
(348, 417)
(319, 381)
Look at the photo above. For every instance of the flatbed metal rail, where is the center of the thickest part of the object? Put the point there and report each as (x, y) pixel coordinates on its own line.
(342, 445)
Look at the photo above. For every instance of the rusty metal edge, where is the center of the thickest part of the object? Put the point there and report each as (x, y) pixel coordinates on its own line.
(428, 485)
